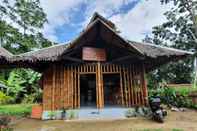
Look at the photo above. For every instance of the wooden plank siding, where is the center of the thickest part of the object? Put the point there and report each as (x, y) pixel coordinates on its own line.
(61, 84)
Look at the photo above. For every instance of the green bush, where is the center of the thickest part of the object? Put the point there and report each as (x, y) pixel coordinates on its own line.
(4, 99)
(20, 83)
(32, 98)
(4, 120)
(172, 97)
(28, 99)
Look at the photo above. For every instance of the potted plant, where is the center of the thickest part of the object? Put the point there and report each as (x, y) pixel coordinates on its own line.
(63, 114)
(52, 115)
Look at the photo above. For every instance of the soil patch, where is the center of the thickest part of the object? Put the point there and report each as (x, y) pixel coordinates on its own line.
(184, 121)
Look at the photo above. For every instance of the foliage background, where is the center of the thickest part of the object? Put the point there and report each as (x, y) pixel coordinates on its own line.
(179, 31)
(20, 25)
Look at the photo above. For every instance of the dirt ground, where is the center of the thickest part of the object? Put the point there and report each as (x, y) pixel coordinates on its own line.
(175, 121)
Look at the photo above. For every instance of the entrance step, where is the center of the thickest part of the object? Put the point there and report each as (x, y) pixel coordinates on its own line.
(106, 113)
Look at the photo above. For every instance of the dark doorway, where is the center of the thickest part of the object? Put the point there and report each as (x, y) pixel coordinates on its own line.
(112, 90)
(88, 89)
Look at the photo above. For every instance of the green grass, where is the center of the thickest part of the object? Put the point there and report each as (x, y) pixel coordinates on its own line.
(188, 89)
(160, 130)
(15, 109)
(150, 130)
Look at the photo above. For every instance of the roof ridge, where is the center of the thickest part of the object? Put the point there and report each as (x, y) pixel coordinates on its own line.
(96, 16)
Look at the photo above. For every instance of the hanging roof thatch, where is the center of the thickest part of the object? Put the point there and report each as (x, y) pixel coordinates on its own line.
(154, 51)
(152, 54)
(46, 54)
(5, 54)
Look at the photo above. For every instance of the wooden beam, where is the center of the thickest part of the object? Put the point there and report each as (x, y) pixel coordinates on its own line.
(120, 58)
(73, 59)
(126, 57)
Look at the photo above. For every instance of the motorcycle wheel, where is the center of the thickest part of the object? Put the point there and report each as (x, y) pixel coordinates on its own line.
(160, 118)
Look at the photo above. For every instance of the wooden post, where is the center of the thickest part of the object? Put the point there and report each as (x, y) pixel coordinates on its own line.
(131, 85)
(99, 86)
(134, 85)
(78, 88)
(53, 89)
(128, 87)
(121, 87)
(125, 87)
(145, 91)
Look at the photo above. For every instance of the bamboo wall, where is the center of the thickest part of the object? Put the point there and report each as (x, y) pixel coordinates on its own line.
(61, 84)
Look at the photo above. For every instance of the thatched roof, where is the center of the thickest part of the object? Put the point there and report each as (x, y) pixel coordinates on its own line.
(5, 54)
(45, 54)
(152, 54)
(154, 51)
(54, 52)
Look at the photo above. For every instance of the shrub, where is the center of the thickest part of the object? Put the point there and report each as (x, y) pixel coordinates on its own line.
(130, 113)
(4, 99)
(4, 120)
(138, 111)
(71, 115)
(172, 97)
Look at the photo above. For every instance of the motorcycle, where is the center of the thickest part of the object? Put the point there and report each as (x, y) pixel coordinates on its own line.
(158, 113)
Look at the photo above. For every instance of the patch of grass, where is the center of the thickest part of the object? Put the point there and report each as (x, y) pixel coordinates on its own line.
(184, 89)
(177, 130)
(16, 109)
(160, 130)
(150, 130)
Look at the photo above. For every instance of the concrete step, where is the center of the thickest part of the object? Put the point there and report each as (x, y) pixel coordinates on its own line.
(106, 113)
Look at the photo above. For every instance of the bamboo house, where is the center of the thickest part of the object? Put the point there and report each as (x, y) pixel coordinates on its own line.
(98, 69)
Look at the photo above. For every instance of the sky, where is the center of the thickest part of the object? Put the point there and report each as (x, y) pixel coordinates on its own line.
(134, 18)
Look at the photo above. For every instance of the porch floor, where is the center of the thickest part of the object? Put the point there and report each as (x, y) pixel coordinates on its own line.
(105, 113)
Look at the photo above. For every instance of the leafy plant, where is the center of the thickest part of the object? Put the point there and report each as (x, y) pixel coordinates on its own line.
(172, 97)
(4, 121)
(4, 99)
(21, 83)
(29, 99)
(71, 115)
(52, 115)
(6, 129)
(29, 16)
(137, 111)
(130, 113)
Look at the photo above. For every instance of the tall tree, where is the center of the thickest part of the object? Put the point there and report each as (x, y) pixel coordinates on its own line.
(179, 31)
(20, 23)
